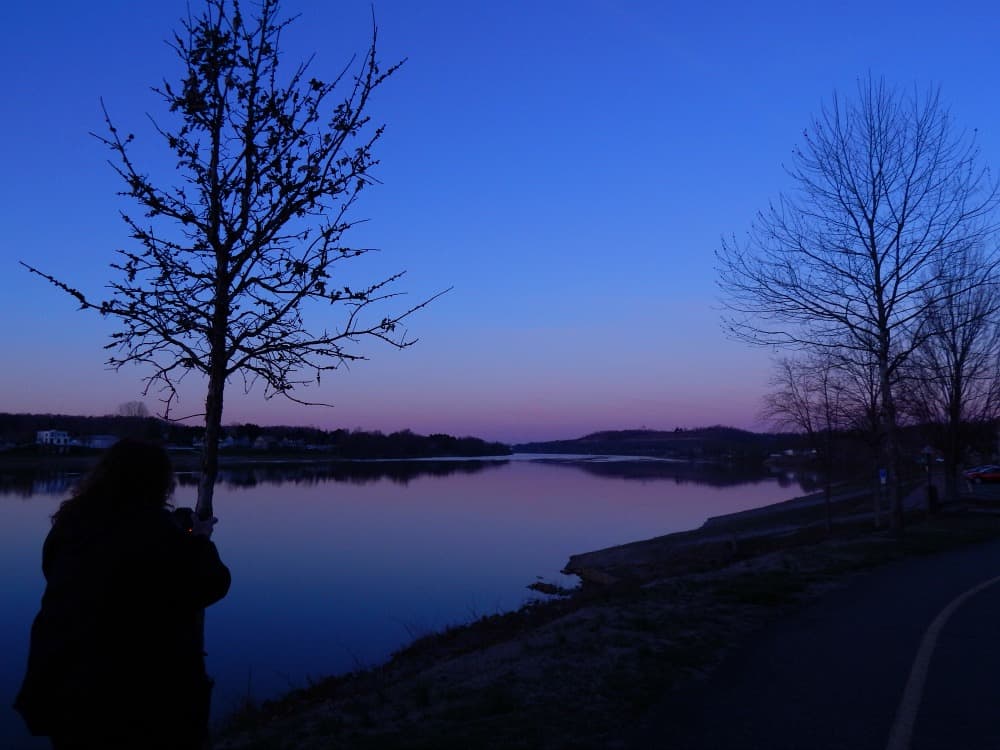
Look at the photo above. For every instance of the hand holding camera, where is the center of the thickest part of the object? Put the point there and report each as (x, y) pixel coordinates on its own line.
(190, 522)
(204, 526)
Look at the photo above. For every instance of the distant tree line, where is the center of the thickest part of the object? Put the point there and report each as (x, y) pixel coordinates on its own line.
(407, 444)
(21, 430)
(710, 443)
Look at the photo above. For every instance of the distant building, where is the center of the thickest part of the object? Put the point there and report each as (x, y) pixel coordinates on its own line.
(100, 442)
(54, 438)
(228, 442)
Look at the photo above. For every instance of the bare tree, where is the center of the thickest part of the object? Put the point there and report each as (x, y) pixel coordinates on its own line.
(952, 379)
(860, 401)
(808, 397)
(885, 193)
(230, 253)
(133, 409)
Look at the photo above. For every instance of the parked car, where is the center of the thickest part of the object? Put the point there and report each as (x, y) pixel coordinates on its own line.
(988, 473)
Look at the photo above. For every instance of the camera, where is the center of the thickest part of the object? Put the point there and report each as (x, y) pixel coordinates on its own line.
(184, 518)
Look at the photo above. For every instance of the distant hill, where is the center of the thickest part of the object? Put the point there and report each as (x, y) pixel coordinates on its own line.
(704, 443)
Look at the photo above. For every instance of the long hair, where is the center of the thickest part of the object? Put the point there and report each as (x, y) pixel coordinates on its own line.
(131, 475)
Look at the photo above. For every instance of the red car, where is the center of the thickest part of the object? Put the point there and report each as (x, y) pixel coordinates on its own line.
(988, 473)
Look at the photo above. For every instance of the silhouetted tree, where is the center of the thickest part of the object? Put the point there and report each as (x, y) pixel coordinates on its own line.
(886, 192)
(952, 379)
(231, 251)
(860, 400)
(808, 397)
(133, 409)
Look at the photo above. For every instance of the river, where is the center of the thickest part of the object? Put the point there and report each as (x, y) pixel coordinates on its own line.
(334, 568)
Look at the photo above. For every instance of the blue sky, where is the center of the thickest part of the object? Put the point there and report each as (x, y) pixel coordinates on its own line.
(568, 167)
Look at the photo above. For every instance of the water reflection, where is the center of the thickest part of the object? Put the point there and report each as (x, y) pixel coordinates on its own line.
(26, 482)
(685, 472)
(345, 561)
(351, 472)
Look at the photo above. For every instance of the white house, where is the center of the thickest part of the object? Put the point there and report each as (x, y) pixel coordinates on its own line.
(58, 438)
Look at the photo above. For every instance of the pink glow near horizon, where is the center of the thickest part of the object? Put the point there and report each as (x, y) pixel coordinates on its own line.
(378, 395)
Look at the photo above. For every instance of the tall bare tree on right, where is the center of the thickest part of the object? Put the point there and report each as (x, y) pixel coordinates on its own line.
(886, 191)
(952, 380)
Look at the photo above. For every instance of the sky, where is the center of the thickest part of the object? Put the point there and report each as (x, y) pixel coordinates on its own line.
(566, 168)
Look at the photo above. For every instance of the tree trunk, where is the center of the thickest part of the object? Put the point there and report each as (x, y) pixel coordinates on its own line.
(877, 500)
(953, 446)
(210, 446)
(952, 459)
(893, 485)
(213, 399)
(874, 445)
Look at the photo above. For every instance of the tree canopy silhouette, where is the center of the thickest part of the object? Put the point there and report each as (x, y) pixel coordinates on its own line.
(886, 193)
(228, 256)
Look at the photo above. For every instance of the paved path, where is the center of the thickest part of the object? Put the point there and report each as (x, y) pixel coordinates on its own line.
(832, 676)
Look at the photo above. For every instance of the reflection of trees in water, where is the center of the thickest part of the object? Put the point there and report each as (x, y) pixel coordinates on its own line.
(711, 474)
(350, 472)
(809, 481)
(25, 483)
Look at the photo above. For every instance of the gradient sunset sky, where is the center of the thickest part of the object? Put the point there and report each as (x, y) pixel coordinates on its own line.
(568, 167)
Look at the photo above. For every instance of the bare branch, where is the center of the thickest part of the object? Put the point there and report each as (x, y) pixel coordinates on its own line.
(225, 264)
(886, 195)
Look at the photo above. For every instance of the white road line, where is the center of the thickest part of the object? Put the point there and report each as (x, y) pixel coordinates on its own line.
(906, 714)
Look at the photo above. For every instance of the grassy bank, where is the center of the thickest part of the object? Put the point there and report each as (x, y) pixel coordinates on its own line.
(578, 672)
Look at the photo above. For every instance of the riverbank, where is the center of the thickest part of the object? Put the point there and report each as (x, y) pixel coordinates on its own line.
(581, 670)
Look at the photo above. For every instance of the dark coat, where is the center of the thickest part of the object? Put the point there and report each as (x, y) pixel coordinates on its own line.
(116, 650)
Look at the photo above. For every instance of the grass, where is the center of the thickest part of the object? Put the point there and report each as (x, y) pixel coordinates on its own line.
(766, 589)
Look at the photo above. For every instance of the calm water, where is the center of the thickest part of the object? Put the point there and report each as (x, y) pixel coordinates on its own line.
(334, 569)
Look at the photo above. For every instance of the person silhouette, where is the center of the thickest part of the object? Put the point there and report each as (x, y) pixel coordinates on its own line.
(116, 657)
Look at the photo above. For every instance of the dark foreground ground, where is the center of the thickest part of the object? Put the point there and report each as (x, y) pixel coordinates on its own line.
(642, 656)
(832, 676)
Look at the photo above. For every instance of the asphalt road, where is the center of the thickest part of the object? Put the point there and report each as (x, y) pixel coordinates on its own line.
(832, 676)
